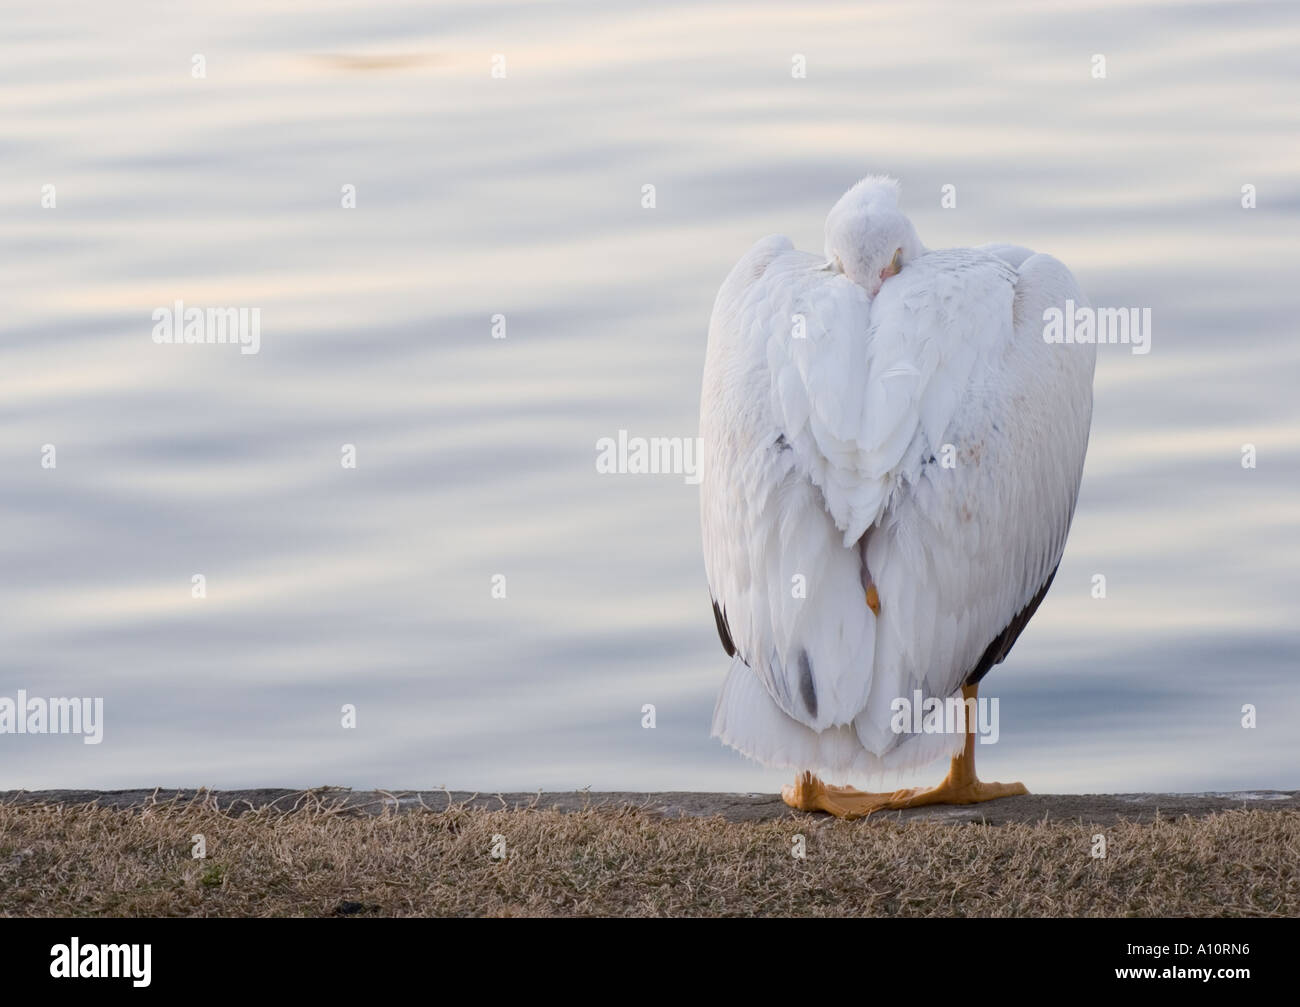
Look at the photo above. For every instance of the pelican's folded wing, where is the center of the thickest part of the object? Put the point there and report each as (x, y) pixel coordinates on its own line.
(802, 443)
(977, 526)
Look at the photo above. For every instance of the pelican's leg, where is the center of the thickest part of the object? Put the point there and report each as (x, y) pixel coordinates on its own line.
(961, 786)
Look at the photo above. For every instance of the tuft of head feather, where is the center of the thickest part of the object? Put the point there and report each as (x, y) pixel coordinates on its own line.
(870, 191)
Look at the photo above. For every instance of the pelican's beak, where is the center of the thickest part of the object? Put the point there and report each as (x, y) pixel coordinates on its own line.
(894, 266)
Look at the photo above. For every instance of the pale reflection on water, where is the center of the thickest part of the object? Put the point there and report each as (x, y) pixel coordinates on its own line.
(521, 196)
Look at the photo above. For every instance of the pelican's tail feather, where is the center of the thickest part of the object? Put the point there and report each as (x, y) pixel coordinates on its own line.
(747, 719)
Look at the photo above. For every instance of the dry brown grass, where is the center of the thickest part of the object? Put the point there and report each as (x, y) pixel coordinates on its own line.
(86, 861)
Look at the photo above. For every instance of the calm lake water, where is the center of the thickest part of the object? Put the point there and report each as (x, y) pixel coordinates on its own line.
(522, 196)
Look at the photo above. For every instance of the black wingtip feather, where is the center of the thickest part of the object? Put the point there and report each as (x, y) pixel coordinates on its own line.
(724, 631)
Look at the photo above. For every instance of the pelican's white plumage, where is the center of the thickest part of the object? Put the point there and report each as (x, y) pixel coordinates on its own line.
(825, 414)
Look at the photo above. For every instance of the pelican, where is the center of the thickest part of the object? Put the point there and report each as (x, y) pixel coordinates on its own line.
(892, 455)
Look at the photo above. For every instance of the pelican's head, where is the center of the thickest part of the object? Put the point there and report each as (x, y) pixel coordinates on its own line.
(867, 237)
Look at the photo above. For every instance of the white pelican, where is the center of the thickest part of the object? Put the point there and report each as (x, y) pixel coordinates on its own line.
(892, 454)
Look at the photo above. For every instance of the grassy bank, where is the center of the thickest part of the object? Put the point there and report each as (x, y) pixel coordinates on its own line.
(319, 860)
